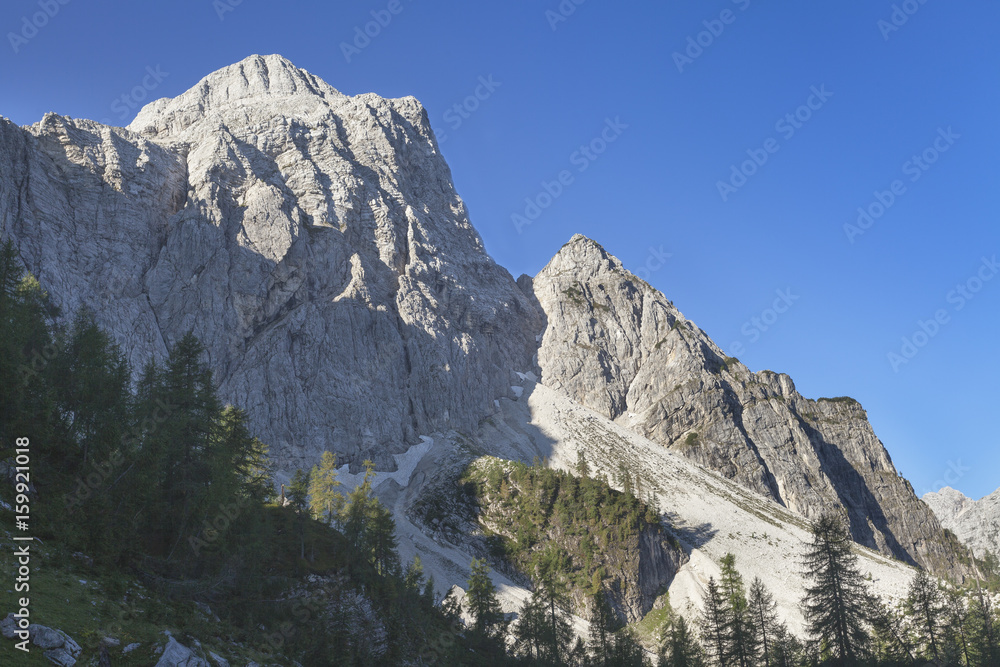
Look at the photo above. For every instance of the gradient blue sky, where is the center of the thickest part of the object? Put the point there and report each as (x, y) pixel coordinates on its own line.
(655, 187)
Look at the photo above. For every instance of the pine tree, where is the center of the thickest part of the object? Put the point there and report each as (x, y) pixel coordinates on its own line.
(836, 598)
(924, 605)
(626, 651)
(180, 457)
(983, 640)
(956, 627)
(891, 644)
(93, 388)
(681, 649)
(717, 626)
(298, 490)
(787, 651)
(489, 625)
(551, 592)
(369, 526)
(325, 499)
(603, 624)
(298, 499)
(530, 633)
(582, 467)
(764, 612)
(244, 461)
(743, 635)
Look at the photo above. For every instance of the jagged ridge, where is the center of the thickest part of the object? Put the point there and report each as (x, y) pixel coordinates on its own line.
(618, 346)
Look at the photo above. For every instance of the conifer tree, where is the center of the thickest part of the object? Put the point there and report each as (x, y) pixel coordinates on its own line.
(836, 597)
(582, 467)
(369, 526)
(93, 388)
(489, 625)
(298, 499)
(956, 627)
(531, 631)
(626, 651)
(244, 460)
(551, 593)
(764, 612)
(787, 651)
(681, 649)
(892, 644)
(298, 490)
(742, 634)
(983, 640)
(924, 605)
(180, 455)
(602, 627)
(717, 626)
(325, 499)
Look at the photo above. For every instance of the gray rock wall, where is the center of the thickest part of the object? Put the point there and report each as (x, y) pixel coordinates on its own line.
(616, 345)
(313, 241)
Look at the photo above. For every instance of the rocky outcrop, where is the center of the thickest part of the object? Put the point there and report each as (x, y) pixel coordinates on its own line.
(57, 646)
(176, 654)
(975, 522)
(618, 346)
(314, 242)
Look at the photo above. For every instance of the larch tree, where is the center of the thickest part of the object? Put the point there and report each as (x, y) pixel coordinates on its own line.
(325, 499)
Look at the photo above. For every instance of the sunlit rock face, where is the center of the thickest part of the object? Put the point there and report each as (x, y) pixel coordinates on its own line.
(618, 346)
(314, 242)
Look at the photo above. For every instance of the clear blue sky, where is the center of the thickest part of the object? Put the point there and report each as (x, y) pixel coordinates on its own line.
(895, 92)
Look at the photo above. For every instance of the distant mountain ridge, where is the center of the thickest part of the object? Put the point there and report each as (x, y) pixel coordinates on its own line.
(975, 522)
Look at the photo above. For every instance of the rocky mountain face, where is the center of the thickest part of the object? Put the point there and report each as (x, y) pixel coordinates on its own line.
(975, 522)
(314, 242)
(619, 347)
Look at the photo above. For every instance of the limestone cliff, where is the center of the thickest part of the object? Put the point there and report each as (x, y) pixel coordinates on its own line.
(618, 346)
(314, 242)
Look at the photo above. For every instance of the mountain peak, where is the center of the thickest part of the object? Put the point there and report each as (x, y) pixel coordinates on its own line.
(256, 81)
